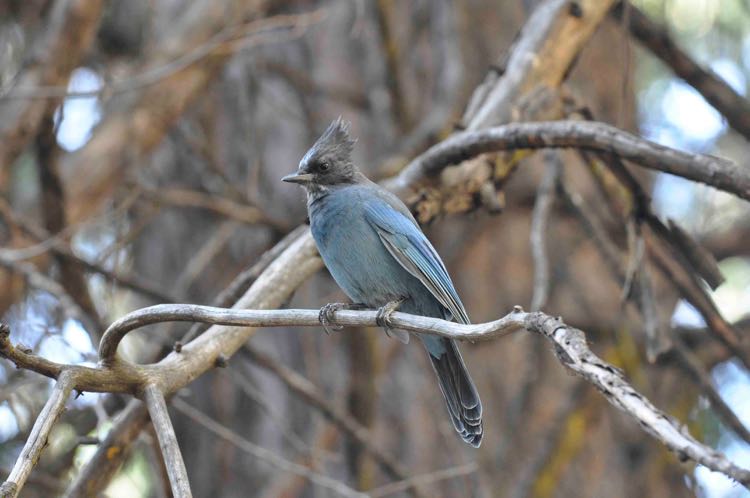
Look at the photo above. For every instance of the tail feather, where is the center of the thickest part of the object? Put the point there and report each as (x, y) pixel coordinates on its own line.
(461, 397)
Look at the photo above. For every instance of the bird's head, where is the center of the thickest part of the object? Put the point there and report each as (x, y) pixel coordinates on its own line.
(329, 161)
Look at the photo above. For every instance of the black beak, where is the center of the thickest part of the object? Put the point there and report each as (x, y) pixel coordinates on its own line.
(301, 178)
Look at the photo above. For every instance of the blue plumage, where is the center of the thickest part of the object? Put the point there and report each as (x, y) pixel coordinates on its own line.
(376, 252)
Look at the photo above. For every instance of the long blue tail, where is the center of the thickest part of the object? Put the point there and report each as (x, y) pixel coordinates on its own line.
(461, 397)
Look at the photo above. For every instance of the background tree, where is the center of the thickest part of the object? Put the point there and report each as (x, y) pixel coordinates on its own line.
(142, 144)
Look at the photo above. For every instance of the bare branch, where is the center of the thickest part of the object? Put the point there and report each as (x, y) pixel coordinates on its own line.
(40, 281)
(422, 479)
(715, 90)
(110, 453)
(262, 453)
(292, 318)
(716, 172)
(544, 198)
(657, 344)
(692, 365)
(547, 47)
(244, 213)
(573, 352)
(570, 346)
(56, 244)
(72, 26)
(279, 272)
(310, 395)
(37, 440)
(170, 450)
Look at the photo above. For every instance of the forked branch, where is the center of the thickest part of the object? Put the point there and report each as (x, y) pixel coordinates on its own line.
(569, 343)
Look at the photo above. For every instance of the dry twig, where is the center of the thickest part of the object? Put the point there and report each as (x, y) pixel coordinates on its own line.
(544, 199)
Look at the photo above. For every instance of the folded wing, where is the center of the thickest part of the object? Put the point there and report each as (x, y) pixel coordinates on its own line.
(409, 246)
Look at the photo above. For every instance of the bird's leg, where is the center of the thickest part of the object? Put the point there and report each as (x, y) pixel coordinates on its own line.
(383, 318)
(326, 314)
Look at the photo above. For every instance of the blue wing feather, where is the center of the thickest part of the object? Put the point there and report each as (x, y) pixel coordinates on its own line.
(409, 246)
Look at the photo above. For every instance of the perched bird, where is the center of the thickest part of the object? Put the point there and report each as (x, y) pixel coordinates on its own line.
(380, 258)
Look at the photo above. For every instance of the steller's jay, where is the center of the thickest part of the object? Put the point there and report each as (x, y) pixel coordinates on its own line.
(378, 255)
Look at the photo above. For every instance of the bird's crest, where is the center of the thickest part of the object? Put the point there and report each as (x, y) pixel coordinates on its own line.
(336, 139)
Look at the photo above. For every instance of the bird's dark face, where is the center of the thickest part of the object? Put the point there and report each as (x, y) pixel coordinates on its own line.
(328, 162)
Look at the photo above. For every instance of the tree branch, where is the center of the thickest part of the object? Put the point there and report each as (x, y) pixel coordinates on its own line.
(570, 347)
(274, 277)
(545, 197)
(110, 453)
(37, 440)
(292, 318)
(263, 453)
(547, 47)
(716, 172)
(310, 395)
(73, 25)
(170, 450)
(714, 89)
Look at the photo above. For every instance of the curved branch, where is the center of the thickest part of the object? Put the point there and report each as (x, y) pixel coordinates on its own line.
(297, 318)
(714, 171)
(264, 454)
(570, 346)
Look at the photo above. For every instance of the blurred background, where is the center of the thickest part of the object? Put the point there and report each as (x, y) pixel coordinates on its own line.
(153, 176)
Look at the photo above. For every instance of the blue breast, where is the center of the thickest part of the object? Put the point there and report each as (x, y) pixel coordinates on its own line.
(357, 259)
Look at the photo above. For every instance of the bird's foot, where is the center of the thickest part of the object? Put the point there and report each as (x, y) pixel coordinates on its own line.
(383, 318)
(326, 314)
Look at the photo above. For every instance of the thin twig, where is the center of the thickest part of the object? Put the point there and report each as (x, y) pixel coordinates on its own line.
(170, 450)
(229, 39)
(40, 281)
(262, 453)
(37, 439)
(692, 365)
(115, 447)
(242, 282)
(307, 392)
(422, 479)
(713, 88)
(544, 199)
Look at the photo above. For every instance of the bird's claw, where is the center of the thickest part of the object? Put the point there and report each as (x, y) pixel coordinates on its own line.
(326, 317)
(383, 318)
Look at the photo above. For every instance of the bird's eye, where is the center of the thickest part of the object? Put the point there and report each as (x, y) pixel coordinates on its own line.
(324, 166)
